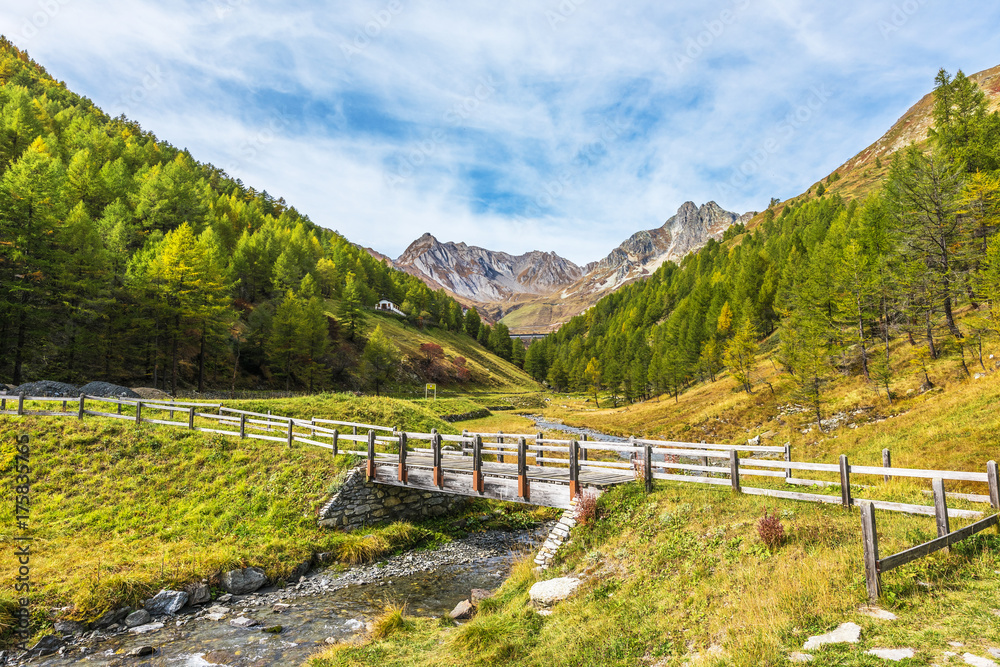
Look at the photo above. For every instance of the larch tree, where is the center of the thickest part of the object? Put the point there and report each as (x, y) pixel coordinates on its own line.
(380, 360)
(741, 354)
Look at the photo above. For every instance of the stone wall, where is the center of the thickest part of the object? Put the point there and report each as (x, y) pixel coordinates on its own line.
(360, 503)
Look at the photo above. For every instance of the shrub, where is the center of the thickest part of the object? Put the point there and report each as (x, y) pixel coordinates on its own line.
(356, 549)
(771, 532)
(391, 620)
(586, 507)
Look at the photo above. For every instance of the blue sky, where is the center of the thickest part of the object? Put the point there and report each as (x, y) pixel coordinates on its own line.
(555, 125)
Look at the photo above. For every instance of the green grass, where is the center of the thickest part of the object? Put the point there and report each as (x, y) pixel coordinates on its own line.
(489, 372)
(679, 571)
(378, 411)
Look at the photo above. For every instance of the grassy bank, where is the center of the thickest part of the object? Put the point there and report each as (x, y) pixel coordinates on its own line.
(682, 576)
(683, 573)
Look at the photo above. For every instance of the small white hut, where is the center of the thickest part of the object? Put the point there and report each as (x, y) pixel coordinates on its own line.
(387, 306)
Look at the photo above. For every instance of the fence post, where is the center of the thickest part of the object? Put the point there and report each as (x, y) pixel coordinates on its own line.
(940, 508)
(336, 437)
(845, 481)
(172, 400)
(574, 469)
(788, 459)
(20, 405)
(734, 470)
(119, 405)
(991, 475)
(538, 453)
(869, 543)
(290, 434)
(138, 413)
(648, 468)
(500, 448)
(583, 450)
(522, 468)
(477, 465)
(243, 426)
(3, 404)
(191, 418)
(886, 462)
(465, 435)
(371, 455)
(436, 453)
(79, 414)
(403, 476)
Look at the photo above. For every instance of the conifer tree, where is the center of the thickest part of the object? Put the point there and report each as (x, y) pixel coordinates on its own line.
(741, 354)
(593, 376)
(351, 311)
(380, 360)
(472, 323)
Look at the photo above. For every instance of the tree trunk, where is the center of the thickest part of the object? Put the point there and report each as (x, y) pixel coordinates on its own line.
(288, 371)
(173, 356)
(201, 361)
(961, 350)
(3, 345)
(236, 369)
(930, 337)
(950, 318)
(22, 325)
(864, 351)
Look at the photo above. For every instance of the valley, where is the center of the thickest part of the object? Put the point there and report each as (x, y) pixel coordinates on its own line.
(231, 435)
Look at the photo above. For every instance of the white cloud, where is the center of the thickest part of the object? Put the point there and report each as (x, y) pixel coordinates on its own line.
(499, 113)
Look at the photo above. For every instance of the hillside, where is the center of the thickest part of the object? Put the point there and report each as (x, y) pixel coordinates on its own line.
(834, 283)
(490, 281)
(124, 259)
(487, 371)
(863, 173)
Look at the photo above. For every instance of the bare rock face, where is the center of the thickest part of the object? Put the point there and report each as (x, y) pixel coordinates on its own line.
(849, 633)
(463, 610)
(644, 252)
(480, 275)
(550, 287)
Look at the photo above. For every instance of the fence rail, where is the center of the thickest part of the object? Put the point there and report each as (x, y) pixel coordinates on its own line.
(875, 566)
(571, 463)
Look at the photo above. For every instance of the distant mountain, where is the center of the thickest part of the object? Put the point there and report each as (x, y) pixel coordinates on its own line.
(483, 277)
(644, 252)
(537, 291)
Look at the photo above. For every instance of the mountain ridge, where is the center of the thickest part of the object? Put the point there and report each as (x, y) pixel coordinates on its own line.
(548, 288)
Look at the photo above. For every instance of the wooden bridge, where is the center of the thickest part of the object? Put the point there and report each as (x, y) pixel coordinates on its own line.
(526, 468)
(530, 468)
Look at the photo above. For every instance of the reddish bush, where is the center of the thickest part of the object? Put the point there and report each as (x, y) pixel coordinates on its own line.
(586, 507)
(771, 532)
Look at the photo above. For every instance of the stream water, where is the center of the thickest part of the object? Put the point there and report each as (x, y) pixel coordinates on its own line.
(327, 607)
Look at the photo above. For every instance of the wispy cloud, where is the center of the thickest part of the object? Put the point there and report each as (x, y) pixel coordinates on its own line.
(554, 125)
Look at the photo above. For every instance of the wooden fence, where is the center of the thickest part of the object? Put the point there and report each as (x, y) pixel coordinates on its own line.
(637, 456)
